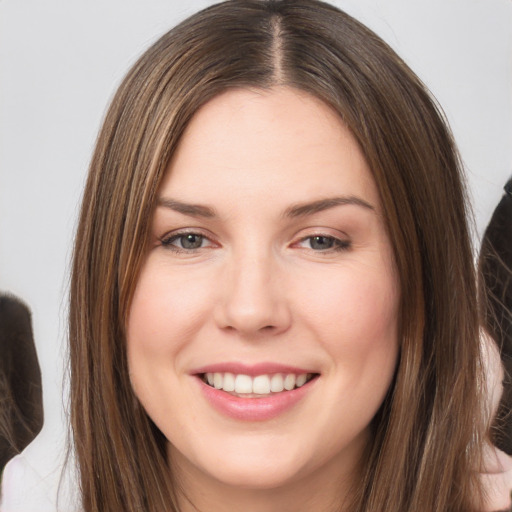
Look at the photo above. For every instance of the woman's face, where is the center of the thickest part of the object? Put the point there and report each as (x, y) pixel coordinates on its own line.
(269, 274)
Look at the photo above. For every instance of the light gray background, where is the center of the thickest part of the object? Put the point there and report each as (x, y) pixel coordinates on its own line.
(60, 62)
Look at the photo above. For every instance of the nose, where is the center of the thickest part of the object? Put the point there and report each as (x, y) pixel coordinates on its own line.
(253, 299)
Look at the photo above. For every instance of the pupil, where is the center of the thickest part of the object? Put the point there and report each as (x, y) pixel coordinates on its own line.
(191, 241)
(321, 242)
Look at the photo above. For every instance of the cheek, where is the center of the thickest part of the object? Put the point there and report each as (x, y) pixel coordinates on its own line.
(165, 310)
(165, 313)
(355, 305)
(355, 319)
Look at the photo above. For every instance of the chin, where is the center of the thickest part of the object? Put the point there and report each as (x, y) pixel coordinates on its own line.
(256, 478)
(270, 467)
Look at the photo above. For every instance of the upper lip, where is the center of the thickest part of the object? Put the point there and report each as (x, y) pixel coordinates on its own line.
(250, 369)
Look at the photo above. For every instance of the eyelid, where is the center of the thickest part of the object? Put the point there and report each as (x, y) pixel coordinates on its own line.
(342, 242)
(170, 236)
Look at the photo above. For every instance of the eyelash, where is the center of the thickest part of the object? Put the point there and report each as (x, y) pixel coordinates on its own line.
(167, 241)
(337, 244)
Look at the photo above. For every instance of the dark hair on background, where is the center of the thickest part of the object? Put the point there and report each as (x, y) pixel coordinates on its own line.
(21, 395)
(425, 451)
(495, 290)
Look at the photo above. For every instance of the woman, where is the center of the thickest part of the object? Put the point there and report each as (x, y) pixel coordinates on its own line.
(273, 295)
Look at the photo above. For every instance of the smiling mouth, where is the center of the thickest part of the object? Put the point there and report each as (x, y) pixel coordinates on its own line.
(258, 386)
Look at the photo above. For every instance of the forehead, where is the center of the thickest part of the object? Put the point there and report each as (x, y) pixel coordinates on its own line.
(280, 143)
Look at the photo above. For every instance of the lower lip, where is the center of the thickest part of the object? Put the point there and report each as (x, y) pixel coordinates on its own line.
(254, 409)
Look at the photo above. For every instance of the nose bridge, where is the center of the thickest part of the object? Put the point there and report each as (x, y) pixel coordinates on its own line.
(252, 300)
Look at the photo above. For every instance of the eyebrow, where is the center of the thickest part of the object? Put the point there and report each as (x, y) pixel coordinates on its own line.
(304, 209)
(297, 210)
(193, 210)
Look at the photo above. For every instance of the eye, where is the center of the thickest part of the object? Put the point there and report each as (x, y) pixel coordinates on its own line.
(186, 242)
(324, 243)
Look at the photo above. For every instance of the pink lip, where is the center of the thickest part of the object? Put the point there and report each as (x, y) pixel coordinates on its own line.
(251, 370)
(253, 409)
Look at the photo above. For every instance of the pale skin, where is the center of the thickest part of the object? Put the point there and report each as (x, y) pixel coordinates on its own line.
(268, 245)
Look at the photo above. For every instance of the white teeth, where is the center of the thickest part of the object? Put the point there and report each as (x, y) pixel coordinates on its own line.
(301, 379)
(217, 380)
(276, 383)
(229, 382)
(243, 384)
(289, 382)
(259, 385)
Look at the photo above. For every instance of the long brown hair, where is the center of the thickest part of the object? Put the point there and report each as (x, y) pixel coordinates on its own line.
(426, 434)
